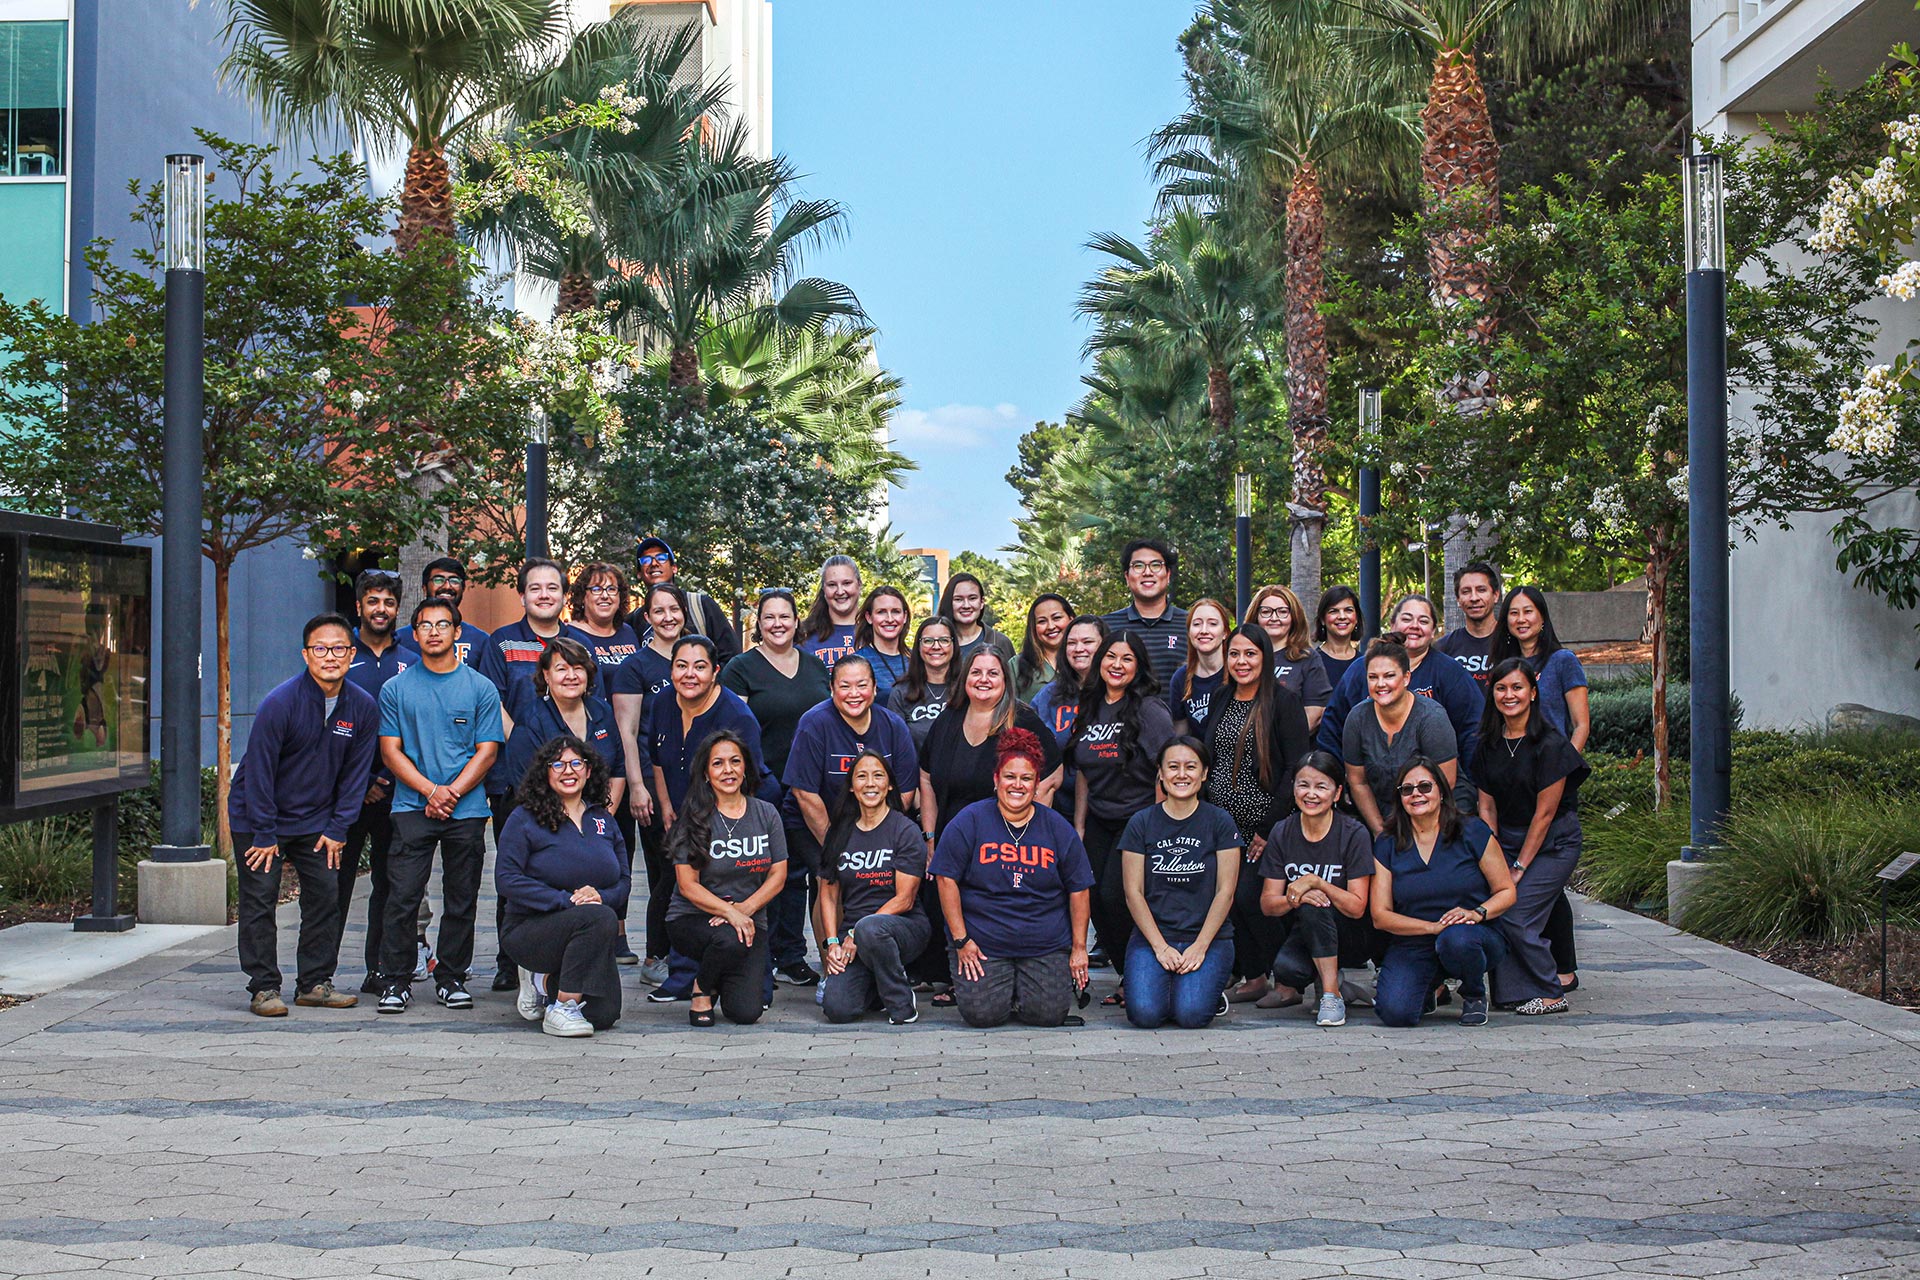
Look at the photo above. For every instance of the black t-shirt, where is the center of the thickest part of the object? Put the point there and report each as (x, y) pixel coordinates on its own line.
(1183, 866)
(963, 773)
(1475, 653)
(1342, 857)
(777, 701)
(1514, 771)
(867, 861)
(1119, 784)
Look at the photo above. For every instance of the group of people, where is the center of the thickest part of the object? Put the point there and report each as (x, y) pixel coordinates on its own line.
(1221, 810)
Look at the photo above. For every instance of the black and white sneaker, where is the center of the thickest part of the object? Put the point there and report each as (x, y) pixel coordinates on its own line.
(453, 994)
(394, 998)
(912, 1016)
(660, 995)
(797, 974)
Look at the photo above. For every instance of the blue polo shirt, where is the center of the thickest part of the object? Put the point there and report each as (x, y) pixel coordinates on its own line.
(824, 747)
(441, 720)
(371, 671)
(305, 771)
(543, 723)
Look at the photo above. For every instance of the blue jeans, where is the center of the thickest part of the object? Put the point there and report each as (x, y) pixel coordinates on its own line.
(1156, 997)
(1414, 967)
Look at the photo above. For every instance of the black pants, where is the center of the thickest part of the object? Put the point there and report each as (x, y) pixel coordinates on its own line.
(1110, 916)
(502, 806)
(731, 972)
(462, 843)
(371, 834)
(1559, 936)
(1256, 937)
(1309, 933)
(574, 946)
(319, 946)
(933, 965)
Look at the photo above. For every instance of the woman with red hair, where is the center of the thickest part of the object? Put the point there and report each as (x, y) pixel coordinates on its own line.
(1015, 887)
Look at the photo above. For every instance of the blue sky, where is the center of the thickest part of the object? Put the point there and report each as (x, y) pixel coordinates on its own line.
(976, 146)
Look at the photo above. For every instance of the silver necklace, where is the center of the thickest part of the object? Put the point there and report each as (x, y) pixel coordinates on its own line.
(1011, 835)
(729, 827)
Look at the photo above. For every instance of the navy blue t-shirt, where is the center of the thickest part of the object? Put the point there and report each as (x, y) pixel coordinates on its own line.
(647, 674)
(1427, 890)
(609, 652)
(823, 751)
(1013, 892)
(1183, 866)
(830, 648)
(1193, 707)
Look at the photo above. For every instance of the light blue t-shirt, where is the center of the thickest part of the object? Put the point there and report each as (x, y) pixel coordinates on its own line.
(1561, 673)
(440, 720)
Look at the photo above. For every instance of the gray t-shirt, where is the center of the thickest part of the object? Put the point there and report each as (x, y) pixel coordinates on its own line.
(1305, 676)
(740, 855)
(1427, 732)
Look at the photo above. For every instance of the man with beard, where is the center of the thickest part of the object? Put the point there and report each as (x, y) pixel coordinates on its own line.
(446, 579)
(1476, 589)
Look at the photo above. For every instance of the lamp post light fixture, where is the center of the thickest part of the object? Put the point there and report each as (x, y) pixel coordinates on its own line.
(1242, 544)
(1369, 508)
(1708, 596)
(536, 504)
(182, 473)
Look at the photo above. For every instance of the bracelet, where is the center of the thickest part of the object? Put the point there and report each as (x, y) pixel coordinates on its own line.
(834, 941)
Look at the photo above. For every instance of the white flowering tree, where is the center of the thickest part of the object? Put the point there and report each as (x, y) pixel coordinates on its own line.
(333, 373)
(1585, 449)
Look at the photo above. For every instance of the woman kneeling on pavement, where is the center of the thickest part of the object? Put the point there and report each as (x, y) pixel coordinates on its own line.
(875, 859)
(1179, 864)
(729, 854)
(1015, 887)
(563, 875)
(1315, 875)
(1438, 885)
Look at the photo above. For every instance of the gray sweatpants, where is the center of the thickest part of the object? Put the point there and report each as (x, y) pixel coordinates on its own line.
(884, 945)
(1529, 970)
(1036, 990)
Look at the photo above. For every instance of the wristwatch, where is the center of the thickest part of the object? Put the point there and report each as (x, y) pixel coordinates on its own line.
(960, 943)
(1483, 914)
(834, 941)
(926, 834)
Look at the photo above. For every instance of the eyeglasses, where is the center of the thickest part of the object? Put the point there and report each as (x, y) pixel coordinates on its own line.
(1416, 788)
(1146, 566)
(568, 766)
(435, 624)
(329, 650)
(936, 642)
(604, 589)
(445, 580)
(1274, 615)
(379, 578)
(658, 557)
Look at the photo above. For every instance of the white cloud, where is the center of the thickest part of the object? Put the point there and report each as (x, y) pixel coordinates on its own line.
(956, 426)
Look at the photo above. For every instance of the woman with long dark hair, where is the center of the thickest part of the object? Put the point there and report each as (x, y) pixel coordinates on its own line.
(1337, 627)
(920, 696)
(827, 632)
(1255, 728)
(563, 874)
(1438, 884)
(871, 922)
(881, 638)
(1525, 630)
(1047, 620)
(777, 679)
(730, 860)
(1058, 702)
(965, 601)
(1208, 622)
(1529, 776)
(1117, 734)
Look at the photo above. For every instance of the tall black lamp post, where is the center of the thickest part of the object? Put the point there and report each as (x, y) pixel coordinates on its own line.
(182, 471)
(536, 516)
(1242, 544)
(1708, 601)
(1369, 508)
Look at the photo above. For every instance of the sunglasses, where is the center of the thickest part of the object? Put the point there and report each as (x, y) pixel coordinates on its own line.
(653, 558)
(1416, 788)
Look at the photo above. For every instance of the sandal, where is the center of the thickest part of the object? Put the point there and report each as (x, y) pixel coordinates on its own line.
(700, 1017)
(943, 999)
(1118, 1000)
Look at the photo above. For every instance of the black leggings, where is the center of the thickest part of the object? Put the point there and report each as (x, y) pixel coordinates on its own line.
(574, 947)
(1110, 915)
(1559, 936)
(731, 972)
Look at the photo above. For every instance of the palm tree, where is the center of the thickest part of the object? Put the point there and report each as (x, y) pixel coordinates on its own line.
(425, 74)
(1271, 124)
(1191, 286)
(721, 245)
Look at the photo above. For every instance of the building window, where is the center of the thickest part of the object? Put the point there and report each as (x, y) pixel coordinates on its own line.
(33, 99)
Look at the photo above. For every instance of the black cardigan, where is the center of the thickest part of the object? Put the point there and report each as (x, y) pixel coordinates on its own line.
(1287, 741)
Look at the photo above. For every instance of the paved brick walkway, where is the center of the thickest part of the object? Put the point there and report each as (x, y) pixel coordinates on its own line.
(1702, 1114)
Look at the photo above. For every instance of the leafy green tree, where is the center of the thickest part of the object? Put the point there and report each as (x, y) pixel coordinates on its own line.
(332, 374)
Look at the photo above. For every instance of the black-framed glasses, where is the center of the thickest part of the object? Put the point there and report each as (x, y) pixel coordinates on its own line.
(1147, 566)
(1274, 615)
(446, 580)
(604, 589)
(1424, 788)
(329, 650)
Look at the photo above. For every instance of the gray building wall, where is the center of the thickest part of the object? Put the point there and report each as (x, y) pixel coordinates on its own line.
(145, 75)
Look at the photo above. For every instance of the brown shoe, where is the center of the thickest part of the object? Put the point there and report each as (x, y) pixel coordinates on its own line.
(1250, 990)
(323, 996)
(268, 1004)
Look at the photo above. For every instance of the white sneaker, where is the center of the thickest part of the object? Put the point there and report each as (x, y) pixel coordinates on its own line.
(565, 1019)
(1333, 1011)
(423, 963)
(530, 1000)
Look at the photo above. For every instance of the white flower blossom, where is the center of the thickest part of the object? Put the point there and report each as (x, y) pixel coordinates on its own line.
(259, 374)
(309, 553)
(1866, 416)
(1902, 283)
(1578, 529)
(1397, 470)
(1515, 491)
(323, 375)
(1677, 485)
(1837, 230)
(1905, 133)
(357, 398)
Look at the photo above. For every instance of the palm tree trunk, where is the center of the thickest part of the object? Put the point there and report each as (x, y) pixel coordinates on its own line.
(577, 293)
(1307, 363)
(426, 199)
(1460, 174)
(683, 372)
(1220, 399)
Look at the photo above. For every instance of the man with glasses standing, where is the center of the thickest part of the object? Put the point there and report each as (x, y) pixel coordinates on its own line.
(440, 732)
(1151, 614)
(298, 790)
(446, 579)
(654, 559)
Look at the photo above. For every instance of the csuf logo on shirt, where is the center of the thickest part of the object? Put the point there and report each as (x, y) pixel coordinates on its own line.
(738, 848)
(343, 728)
(1033, 856)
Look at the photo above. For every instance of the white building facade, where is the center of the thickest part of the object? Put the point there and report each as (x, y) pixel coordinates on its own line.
(1754, 60)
